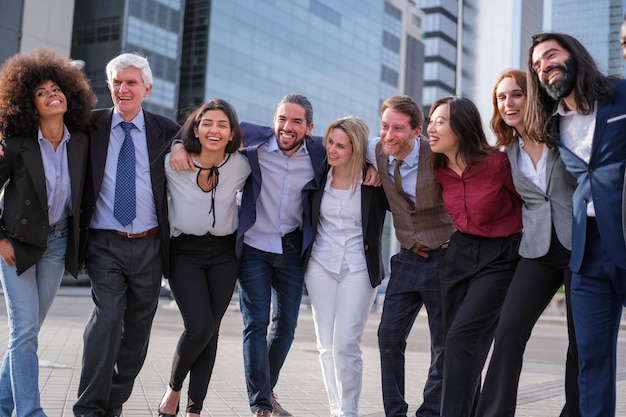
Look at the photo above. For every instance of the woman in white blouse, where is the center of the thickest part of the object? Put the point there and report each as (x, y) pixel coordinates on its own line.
(344, 265)
(203, 216)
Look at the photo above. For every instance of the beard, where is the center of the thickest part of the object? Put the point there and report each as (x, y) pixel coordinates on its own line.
(291, 147)
(565, 83)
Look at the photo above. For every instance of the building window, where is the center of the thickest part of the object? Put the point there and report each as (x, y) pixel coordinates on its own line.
(98, 30)
(393, 11)
(389, 76)
(391, 42)
(325, 12)
(416, 21)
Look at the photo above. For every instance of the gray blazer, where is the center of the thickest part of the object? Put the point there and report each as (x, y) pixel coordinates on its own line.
(540, 210)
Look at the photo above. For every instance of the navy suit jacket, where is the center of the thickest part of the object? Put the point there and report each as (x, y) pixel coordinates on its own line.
(374, 207)
(25, 217)
(159, 132)
(601, 179)
(253, 137)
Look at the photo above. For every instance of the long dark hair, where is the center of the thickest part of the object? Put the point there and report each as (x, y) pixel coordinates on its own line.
(191, 142)
(590, 85)
(466, 124)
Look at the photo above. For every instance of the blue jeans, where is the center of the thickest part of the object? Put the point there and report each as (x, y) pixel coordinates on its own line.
(269, 279)
(28, 298)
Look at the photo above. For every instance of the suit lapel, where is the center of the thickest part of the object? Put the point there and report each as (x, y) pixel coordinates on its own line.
(317, 154)
(550, 162)
(33, 162)
(99, 145)
(155, 142)
(602, 116)
(75, 152)
(366, 200)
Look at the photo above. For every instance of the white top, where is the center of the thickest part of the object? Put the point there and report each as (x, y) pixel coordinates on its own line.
(189, 206)
(526, 166)
(340, 230)
(577, 135)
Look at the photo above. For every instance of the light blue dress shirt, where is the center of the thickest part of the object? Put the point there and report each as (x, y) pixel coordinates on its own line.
(146, 211)
(279, 207)
(56, 169)
(408, 169)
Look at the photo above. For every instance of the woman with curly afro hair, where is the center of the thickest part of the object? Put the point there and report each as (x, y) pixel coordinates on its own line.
(45, 104)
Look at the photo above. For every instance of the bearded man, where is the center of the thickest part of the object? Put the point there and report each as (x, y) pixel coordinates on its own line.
(575, 107)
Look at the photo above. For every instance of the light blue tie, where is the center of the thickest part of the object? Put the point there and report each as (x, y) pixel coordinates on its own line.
(124, 206)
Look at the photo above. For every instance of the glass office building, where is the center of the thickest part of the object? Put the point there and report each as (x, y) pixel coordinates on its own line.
(152, 28)
(596, 25)
(259, 51)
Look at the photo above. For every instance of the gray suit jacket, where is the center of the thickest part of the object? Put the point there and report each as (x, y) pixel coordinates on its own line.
(540, 210)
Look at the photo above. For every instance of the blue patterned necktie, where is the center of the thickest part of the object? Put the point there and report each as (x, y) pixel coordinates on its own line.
(124, 207)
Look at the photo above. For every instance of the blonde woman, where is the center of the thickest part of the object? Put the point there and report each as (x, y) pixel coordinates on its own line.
(344, 264)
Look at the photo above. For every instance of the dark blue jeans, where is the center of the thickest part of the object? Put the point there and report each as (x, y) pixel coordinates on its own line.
(262, 277)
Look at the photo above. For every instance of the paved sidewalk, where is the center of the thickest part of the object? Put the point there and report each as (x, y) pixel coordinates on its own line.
(300, 388)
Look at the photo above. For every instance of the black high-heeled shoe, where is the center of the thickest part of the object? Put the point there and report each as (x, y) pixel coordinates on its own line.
(162, 414)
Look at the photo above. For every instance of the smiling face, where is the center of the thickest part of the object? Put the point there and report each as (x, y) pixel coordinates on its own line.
(213, 131)
(441, 138)
(128, 91)
(338, 148)
(510, 99)
(290, 127)
(555, 68)
(49, 100)
(396, 135)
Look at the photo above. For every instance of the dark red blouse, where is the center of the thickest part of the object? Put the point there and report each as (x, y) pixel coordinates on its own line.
(483, 201)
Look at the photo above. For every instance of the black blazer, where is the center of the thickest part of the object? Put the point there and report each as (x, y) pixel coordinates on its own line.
(25, 217)
(159, 131)
(374, 206)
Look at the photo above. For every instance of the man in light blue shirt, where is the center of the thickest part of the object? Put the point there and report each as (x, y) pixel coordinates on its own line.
(125, 255)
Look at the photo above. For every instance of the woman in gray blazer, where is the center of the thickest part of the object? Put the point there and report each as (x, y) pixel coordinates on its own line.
(546, 187)
(45, 104)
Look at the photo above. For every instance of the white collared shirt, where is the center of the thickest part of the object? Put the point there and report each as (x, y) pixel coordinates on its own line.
(577, 135)
(340, 230)
(536, 175)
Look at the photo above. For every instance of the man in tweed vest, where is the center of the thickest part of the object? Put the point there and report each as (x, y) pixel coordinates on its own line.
(423, 228)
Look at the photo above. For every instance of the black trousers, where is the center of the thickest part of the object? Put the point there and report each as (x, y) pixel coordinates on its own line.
(125, 277)
(475, 276)
(204, 270)
(534, 284)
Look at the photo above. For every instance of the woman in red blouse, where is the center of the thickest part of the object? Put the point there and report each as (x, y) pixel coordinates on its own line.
(478, 193)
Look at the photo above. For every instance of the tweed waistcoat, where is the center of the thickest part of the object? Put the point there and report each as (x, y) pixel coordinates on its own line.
(428, 225)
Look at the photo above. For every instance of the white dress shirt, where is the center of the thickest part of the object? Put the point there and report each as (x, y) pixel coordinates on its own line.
(577, 135)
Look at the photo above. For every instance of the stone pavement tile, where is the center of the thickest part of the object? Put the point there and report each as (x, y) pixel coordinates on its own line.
(300, 388)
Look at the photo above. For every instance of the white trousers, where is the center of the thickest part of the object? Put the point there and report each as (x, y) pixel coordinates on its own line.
(341, 304)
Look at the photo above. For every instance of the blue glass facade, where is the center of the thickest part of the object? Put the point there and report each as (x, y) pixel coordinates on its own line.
(327, 50)
(596, 25)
